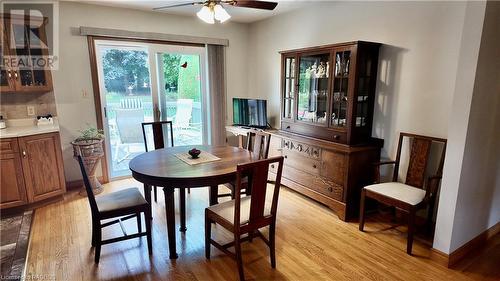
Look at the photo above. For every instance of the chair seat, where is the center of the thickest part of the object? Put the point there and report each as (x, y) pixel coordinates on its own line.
(225, 210)
(399, 191)
(126, 198)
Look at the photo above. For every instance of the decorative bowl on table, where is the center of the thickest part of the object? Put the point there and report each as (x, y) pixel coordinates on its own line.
(195, 153)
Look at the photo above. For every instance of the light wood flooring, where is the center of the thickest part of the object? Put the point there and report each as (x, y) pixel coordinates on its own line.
(312, 244)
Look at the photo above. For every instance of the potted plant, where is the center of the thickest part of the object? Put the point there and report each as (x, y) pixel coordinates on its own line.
(89, 145)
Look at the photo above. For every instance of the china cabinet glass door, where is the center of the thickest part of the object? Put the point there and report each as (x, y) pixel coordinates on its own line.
(28, 47)
(5, 73)
(340, 100)
(6, 76)
(362, 98)
(288, 87)
(313, 88)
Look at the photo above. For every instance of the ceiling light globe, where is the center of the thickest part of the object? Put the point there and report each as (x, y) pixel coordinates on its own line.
(206, 15)
(221, 14)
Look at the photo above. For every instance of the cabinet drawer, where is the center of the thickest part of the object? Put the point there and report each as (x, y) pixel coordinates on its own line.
(314, 182)
(305, 164)
(8, 146)
(333, 166)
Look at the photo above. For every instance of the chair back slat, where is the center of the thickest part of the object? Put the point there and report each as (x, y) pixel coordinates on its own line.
(420, 150)
(158, 133)
(258, 143)
(257, 173)
(258, 201)
(88, 187)
(419, 156)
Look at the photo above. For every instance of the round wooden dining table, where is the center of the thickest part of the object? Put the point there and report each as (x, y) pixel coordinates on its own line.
(163, 168)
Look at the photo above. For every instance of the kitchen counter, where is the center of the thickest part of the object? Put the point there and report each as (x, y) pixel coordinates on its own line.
(27, 127)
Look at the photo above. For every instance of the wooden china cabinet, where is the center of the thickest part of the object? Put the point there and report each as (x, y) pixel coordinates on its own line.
(327, 100)
(24, 40)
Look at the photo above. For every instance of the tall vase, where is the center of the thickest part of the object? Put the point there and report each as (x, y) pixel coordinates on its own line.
(91, 152)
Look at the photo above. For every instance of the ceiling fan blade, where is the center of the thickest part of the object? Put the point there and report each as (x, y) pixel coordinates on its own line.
(263, 5)
(177, 5)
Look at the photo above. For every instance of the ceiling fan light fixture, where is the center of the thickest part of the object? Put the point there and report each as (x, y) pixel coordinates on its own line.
(206, 14)
(221, 13)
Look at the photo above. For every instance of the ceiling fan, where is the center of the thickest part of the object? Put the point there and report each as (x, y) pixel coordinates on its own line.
(213, 9)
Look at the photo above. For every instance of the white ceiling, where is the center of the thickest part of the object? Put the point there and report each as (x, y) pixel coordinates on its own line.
(244, 15)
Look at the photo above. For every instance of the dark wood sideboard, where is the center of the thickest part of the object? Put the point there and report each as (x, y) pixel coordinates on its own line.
(328, 172)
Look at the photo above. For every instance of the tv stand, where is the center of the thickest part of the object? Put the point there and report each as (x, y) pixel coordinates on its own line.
(240, 132)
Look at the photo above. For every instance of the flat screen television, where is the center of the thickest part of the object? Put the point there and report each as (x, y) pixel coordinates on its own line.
(250, 112)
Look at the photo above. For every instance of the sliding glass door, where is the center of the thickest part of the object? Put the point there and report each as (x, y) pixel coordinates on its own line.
(180, 92)
(142, 82)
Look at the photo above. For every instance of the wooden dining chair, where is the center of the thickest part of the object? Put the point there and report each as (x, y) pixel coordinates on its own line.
(258, 143)
(159, 139)
(417, 192)
(120, 205)
(246, 215)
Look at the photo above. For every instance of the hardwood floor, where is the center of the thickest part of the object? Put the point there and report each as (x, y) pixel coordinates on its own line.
(312, 244)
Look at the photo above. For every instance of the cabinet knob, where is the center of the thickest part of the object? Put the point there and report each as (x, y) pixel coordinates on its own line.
(272, 166)
(15, 74)
(288, 127)
(286, 156)
(336, 137)
(9, 74)
(314, 166)
(24, 153)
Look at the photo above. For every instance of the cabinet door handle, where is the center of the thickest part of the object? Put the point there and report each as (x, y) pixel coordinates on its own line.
(287, 127)
(24, 153)
(15, 75)
(9, 74)
(336, 137)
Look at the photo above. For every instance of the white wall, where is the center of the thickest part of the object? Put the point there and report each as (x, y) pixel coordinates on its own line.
(418, 61)
(74, 76)
(478, 192)
(457, 131)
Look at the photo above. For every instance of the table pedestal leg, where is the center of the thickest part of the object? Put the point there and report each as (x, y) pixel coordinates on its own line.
(182, 204)
(170, 214)
(214, 190)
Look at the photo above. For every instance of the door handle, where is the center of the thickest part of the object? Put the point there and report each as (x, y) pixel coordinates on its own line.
(105, 112)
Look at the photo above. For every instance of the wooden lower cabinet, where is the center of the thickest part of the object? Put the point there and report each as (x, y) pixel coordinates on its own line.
(36, 164)
(12, 188)
(328, 172)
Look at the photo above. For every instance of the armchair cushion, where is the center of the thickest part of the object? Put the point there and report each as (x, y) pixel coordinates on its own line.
(399, 191)
(226, 210)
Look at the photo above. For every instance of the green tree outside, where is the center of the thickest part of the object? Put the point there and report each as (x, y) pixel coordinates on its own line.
(189, 78)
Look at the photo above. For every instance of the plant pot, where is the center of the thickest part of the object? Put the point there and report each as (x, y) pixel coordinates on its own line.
(91, 151)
